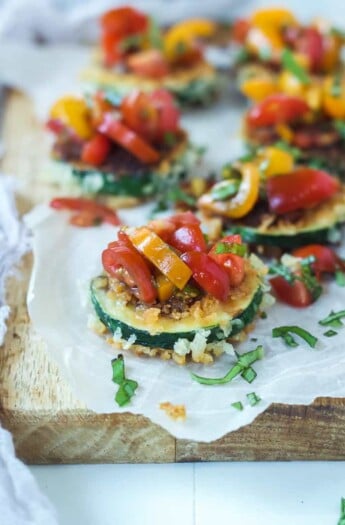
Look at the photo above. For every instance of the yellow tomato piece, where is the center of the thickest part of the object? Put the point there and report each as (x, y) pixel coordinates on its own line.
(273, 16)
(160, 255)
(165, 288)
(279, 162)
(184, 33)
(257, 88)
(334, 106)
(263, 41)
(74, 113)
(244, 200)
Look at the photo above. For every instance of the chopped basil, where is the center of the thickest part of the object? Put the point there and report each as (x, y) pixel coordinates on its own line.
(238, 405)
(242, 55)
(340, 127)
(249, 374)
(340, 278)
(254, 339)
(225, 189)
(336, 85)
(330, 333)
(333, 319)
(285, 333)
(295, 152)
(289, 62)
(337, 32)
(253, 399)
(127, 387)
(231, 247)
(243, 362)
(307, 275)
(282, 271)
(131, 42)
(263, 315)
(155, 35)
(342, 512)
(170, 139)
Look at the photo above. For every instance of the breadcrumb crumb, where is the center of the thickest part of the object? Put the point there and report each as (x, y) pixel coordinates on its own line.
(176, 412)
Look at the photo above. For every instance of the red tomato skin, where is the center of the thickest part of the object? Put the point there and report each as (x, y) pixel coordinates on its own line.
(296, 294)
(310, 43)
(87, 208)
(96, 150)
(302, 189)
(276, 109)
(188, 238)
(150, 63)
(232, 263)
(185, 218)
(326, 260)
(239, 30)
(211, 277)
(123, 256)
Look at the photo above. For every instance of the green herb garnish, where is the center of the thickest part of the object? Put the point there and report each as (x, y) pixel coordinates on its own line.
(340, 278)
(225, 189)
(170, 139)
(340, 127)
(131, 42)
(295, 152)
(337, 32)
(263, 315)
(285, 333)
(333, 319)
(342, 512)
(155, 35)
(289, 62)
(330, 333)
(253, 399)
(249, 374)
(231, 247)
(238, 405)
(243, 362)
(336, 85)
(127, 387)
(307, 275)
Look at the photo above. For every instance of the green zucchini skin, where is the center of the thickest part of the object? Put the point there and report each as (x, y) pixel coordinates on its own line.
(167, 340)
(139, 186)
(286, 242)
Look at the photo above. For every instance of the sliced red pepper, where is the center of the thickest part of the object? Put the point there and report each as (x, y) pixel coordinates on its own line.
(96, 150)
(188, 238)
(89, 211)
(128, 139)
(277, 109)
(208, 274)
(122, 256)
(301, 189)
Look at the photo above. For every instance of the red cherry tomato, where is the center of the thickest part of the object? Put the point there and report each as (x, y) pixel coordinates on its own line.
(188, 238)
(326, 260)
(239, 30)
(96, 150)
(151, 114)
(185, 218)
(208, 274)
(128, 139)
(127, 257)
(301, 189)
(89, 211)
(150, 63)
(295, 294)
(276, 109)
(310, 43)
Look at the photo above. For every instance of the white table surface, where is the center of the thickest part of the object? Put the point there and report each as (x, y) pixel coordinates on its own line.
(296, 493)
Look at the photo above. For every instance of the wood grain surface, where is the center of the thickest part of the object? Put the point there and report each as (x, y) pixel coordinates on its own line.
(50, 426)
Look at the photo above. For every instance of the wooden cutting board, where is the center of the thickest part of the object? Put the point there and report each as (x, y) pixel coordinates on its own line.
(50, 426)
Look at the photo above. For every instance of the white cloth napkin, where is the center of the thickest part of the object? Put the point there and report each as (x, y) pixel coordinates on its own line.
(21, 502)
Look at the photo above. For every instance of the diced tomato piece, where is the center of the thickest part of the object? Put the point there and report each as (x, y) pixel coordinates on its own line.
(208, 274)
(239, 30)
(95, 150)
(185, 218)
(326, 260)
(310, 43)
(123, 256)
(188, 238)
(149, 63)
(111, 48)
(128, 139)
(232, 263)
(169, 114)
(89, 211)
(301, 189)
(277, 109)
(295, 294)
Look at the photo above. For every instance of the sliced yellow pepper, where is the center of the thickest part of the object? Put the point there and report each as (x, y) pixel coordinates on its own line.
(182, 35)
(74, 113)
(165, 288)
(334, 103)
(312, 93)
(264, 40)
(244, 200)
(258, 88)
(274, 17)
(279, 162)
(160, 255)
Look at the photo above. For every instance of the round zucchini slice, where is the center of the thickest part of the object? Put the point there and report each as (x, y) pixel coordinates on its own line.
(220, 322)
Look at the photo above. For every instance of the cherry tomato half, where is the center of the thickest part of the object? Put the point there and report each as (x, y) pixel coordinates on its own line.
(232, 263)
(96, 150)
(326, 260)
(310, 44)
(149, 63)
(301, 189)
(208, 274)
(276, 109)
(295, 294)
(89, 211)
(188, 238)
